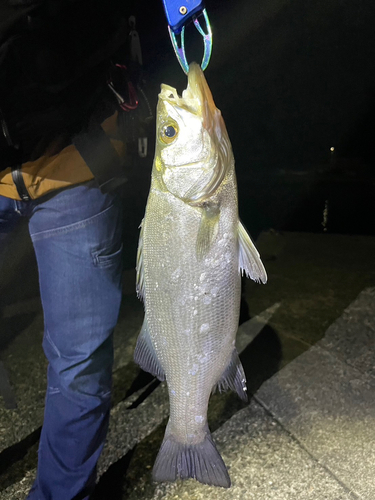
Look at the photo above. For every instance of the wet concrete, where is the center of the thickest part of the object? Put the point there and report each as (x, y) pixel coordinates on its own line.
(309, 367)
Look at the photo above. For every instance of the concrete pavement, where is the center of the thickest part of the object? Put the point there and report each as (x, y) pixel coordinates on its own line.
(308, 432)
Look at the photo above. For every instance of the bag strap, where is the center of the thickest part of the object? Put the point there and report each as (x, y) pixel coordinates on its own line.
(97, 151)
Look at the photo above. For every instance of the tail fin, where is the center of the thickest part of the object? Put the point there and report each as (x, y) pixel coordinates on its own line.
(200, 461)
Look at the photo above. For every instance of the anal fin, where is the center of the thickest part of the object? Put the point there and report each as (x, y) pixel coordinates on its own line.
(145, 355)
(233, 378)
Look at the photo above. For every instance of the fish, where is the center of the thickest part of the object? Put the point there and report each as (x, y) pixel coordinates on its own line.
(191, 255)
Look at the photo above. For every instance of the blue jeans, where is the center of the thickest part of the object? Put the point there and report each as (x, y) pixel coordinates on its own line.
(76, 235)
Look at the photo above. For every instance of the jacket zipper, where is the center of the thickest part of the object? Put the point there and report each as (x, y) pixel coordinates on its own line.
(4, 128)
(20, 183)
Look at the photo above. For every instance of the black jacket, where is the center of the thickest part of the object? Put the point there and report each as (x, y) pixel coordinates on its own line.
(54, 59)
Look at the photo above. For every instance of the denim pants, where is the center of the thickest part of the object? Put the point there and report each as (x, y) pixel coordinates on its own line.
(76, 234)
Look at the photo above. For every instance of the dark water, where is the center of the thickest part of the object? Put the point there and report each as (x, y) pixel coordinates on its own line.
(308, 201)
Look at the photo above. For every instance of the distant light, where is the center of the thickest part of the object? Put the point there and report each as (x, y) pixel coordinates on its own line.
(332, 149)
(325, 216)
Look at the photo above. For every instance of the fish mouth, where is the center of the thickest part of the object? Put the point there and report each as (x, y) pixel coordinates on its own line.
(196, 98)
(198, 88)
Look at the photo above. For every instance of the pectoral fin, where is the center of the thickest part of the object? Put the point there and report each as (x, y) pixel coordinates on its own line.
(207, 230)
(139, 266)
(145, 355)
(249, 259)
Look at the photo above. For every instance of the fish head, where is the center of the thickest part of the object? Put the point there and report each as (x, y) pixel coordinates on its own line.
(193, 152)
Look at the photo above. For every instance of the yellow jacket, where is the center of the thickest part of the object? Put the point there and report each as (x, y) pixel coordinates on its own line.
(56, 171)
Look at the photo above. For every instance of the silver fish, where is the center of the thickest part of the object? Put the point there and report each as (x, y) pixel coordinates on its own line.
(191, 254)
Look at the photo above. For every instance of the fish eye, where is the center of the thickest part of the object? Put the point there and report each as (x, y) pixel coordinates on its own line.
(168, 132)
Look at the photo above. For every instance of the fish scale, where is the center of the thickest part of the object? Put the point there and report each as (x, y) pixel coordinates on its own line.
(191, 253)
(178, 309)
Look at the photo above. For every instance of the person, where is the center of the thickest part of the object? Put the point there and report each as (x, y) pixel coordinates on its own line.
(61, 158)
